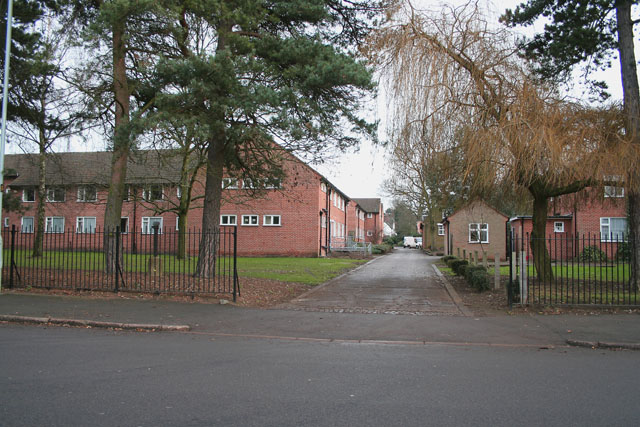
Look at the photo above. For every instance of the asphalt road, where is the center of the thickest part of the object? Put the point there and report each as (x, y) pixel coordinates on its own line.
(78, 377)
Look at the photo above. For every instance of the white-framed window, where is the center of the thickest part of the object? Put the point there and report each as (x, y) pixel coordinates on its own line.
(249, 184)
(332, 231)
(124, 224)
(177, 223)
(229, 183)
(558, 227)
(179, 192)
(54, 224)
(86, 224)
(26, 225)
(323, 221)
(152, 193)
(87, 193)
(29, 194)
(613, 191)
(369, 215)
(6, 221)
(127, 193)
(613, 229)
(440, 229)
(369, 233)
(55, 194)
(228, 220)
(271, 221)
(478, 233)
(150, 222)
(323, 187)
(250, 220)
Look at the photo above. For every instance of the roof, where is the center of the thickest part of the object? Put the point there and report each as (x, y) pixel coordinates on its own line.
(567, 216)
(369, 205)
(446, 219)
(144, 166)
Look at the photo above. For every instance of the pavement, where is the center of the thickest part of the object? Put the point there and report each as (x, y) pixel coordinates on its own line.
(366, 318)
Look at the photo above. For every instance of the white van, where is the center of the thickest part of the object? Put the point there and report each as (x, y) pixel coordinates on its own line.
(410, 242)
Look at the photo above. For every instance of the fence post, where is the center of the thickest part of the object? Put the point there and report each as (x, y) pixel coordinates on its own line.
(524, 292)
(464, 254)
(12, 261)
(496, 284)
(485, 262)
(235, 261)
(118, 266)
(156, 228)
(458, 252)
(475, 257)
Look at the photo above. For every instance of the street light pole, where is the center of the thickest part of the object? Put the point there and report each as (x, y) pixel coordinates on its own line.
(3, 135)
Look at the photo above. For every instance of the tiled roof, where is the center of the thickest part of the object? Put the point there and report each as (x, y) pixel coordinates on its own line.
(369, 205)
(145, 166)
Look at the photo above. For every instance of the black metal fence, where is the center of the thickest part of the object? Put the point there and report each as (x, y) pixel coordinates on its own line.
(156, 261)
(577, 270)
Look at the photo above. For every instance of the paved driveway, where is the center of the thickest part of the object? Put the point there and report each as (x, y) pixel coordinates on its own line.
(403, 282)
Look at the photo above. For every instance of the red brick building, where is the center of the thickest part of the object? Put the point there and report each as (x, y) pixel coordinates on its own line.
(593, 217)
(303, 214)
(373, 219)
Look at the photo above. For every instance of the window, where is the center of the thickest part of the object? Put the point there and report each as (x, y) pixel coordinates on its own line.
(323, 187)
(369, 233)
(87, 193)
(228, 220)
(332, 224)
(613, 229)
(272, 183)
(54, 224)
(271, 220)
(369, 215)
(229, 183)
(179, 192)
(478, 233)
(558, 227)
(440, 229)
(250, 220)
(152, 193)
(612, 191)
(124, 224)
(29, 195)
(6, 222)
(323, 221)
(86, 224)
(150, 222)
(27, 224)
(127, 193)
(55, 194)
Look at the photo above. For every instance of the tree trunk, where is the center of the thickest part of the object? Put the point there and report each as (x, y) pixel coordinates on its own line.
(183, 209)
(538, 242)
(121, 148)
(211, 210)
(42, 194)
(631, 93)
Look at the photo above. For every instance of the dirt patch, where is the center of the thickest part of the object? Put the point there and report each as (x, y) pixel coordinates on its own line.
(254, 292)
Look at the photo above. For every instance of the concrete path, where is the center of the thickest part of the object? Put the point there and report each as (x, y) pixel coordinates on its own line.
(403, 282)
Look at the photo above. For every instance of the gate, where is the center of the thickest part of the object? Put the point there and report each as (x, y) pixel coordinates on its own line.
(576, 270)
(151, 261)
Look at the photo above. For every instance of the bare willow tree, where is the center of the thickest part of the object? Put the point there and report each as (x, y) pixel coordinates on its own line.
(451, 64)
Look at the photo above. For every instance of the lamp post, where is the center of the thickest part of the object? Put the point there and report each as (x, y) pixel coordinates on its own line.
(3, 135)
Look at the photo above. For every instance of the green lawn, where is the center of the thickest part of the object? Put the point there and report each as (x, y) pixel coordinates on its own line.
(311, 271)
(611, 273)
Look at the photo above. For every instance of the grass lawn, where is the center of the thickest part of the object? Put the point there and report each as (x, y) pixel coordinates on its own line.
(310, 271)
(611, 273)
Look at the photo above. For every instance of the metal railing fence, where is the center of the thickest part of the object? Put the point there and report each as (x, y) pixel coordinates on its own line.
(155, 261)
(576, 270)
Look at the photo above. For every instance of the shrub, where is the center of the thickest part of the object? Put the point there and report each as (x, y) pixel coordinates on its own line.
(463, 269)
(380, 249)
(592, 253)
(447, 258)
(451, 261)
(455, 265)
(624, 252)
(479, 280)
(471, 269)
